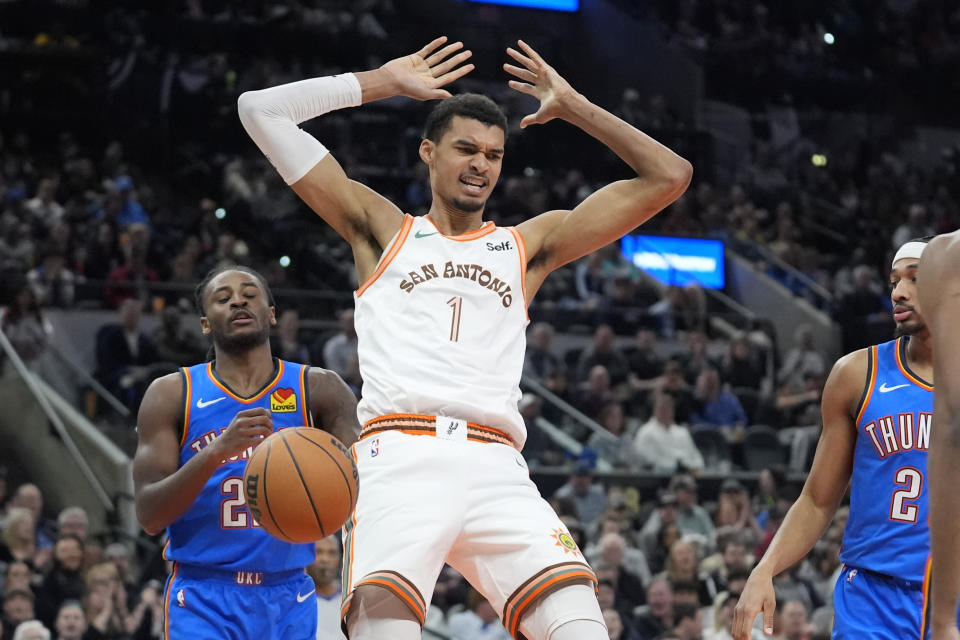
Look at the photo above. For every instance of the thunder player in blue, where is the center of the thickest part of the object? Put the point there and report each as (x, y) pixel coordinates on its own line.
(877, 416)
(197, 428)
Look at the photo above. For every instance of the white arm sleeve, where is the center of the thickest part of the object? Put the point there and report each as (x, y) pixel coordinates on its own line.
(271, 116)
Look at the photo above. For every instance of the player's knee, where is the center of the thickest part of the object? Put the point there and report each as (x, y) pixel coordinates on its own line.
(371, 601)
(570, 613)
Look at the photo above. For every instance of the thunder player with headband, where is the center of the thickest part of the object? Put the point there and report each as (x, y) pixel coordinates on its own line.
(196, 430)
(441, 319)
(877, 420)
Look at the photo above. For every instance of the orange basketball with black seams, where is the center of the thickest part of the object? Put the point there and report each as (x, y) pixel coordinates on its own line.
(301, 484)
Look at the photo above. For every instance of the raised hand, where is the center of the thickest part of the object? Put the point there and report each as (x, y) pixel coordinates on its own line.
(540, 80)
(420, 75)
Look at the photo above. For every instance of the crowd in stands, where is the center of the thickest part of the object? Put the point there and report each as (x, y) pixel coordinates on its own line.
(669, 567)
(129, 220)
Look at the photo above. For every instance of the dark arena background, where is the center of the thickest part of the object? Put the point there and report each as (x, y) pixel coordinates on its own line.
(823, 135)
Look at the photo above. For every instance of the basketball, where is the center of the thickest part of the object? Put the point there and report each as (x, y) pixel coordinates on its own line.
(301, 484)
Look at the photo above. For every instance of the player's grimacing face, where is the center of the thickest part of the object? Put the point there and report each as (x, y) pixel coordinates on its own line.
(465, 164)
(237, 311)
(903, 295)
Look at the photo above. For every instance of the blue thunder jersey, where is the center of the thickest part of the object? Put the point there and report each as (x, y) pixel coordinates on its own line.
(887, 531)
(218, 531)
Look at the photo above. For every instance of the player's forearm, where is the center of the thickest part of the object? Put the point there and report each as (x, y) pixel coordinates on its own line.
(270, 117)
(160, 503)
(944, 476)
(652, 161)
(803, 525)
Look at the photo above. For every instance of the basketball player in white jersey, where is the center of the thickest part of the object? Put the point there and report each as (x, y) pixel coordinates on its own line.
(441, 318)
(938, 287)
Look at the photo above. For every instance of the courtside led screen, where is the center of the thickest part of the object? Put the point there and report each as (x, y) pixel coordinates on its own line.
(556, 5)
(677, 261)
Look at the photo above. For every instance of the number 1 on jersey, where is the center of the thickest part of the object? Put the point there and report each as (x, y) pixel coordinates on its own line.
(455, 302)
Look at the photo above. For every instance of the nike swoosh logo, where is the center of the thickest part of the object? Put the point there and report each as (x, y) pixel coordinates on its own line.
(201, 404)
(424, 235)
(885, 389)
(303, 597)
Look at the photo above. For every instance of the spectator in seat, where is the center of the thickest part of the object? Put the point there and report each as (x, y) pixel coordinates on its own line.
(588, 497)
(174, 343)
(688, 621)
(71, 622)
(718, 407)
(615, 449)
(794, 621)
(125, 355)
(102, 253)
(663, 445)
(132, 280)
(19, 540)
(131, 211)
(285, 343)
(656, 618)
(741, 366)
(672, 383)
(338, 350)
(624, 566)
(52, 283)
(540, 361)
(802, 360)
(594, 393)
(603, 352)
(862, 314)
(25, 327)
(64, 581)
(18, 607)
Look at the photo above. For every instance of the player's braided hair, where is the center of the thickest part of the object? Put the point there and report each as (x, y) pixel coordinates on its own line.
(468, 105)
(213, 273)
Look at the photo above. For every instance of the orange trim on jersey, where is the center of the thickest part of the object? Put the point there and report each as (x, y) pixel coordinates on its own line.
(905, 370)
(188, 399)
(522, 251)
(487, 228)
(926, 598)
(267, 389)
(391, 253)
(303, 396)
(871, 381)
(166, 601)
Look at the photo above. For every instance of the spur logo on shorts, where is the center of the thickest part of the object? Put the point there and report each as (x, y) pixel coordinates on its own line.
(565, 541)
(283, 401)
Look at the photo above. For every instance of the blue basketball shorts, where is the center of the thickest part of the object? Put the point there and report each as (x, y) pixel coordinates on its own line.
(873, 606)
(208, 604)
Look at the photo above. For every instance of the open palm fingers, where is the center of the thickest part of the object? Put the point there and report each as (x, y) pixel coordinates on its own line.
(528, 63)
(437, 57)
(440, 70)
(431, 47)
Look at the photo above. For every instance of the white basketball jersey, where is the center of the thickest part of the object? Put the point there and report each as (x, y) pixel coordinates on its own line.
(441, 326)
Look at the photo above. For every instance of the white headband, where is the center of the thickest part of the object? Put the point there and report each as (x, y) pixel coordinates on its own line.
(909, 250)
